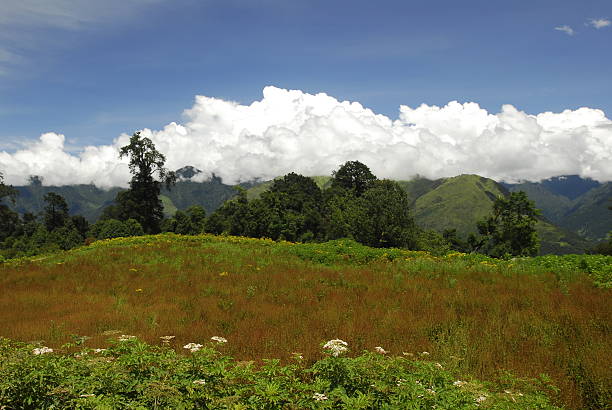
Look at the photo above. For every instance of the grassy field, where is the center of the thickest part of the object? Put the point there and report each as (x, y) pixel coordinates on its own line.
(546, 318)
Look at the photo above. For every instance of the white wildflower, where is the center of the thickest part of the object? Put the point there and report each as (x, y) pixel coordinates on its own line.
(425, 354)
(199, 381)
(480, 399)
(400, 382)
(125, 338)
(458, 383)
(99, 350)
(336, 347)
(166, 339)
(438, 365)
(319, 397)
(42, 350)
(218, 339)
(192, 347)
(430, 391)
(380, 350)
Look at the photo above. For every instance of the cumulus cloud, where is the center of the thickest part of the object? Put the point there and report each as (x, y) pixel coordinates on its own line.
(289, 130)
(599, 23)
(566, 29)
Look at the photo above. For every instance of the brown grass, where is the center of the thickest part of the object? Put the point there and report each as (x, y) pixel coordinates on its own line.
(480, 323)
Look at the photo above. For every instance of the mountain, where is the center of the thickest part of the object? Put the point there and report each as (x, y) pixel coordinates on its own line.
(89, 201)
(460, 202)
(457, 202)
(576, 204)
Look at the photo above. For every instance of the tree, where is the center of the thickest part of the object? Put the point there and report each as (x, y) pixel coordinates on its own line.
(387, 221)
(510, 229)
(188, 222)
(55, 211)
(353, 176)
(9, 220)
(141, 202)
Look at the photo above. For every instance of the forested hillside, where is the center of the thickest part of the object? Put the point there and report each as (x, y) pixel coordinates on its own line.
(574, 211)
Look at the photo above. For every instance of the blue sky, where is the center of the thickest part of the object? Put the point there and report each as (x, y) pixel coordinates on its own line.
(92, 70)
(93, 73)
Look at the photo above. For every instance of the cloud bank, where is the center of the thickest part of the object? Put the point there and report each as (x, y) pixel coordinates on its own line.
(289, 130)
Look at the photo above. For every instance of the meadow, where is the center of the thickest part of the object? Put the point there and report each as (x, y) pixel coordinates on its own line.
(543, 325)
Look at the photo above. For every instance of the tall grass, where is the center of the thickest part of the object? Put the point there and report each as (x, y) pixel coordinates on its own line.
(479, 317)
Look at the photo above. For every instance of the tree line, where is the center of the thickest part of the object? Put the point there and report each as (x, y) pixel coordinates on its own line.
(356, 205)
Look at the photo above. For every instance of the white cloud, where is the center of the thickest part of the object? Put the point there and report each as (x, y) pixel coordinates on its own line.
(599, 23)
(289, 130)
(566, 29)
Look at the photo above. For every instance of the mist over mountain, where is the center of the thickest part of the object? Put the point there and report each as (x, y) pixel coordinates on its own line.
(312, 134)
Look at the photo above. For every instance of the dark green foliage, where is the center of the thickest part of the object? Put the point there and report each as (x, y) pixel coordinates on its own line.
(8, 219)
(189, 222)
(510, 229)
(113, 228)
(295, 209)
(55, 211)
(353, 176)
(387, 221)
(141, 202)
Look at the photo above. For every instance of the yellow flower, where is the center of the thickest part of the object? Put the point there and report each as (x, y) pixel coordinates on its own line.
(138, 290)
(223, 273)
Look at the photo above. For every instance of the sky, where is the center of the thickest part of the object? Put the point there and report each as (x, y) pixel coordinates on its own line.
(256, 89)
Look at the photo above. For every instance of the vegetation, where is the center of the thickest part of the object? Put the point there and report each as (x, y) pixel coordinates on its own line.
(510, 230)
(141, 202)
(535, 326)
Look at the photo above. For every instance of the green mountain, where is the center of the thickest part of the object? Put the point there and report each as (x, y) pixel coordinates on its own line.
(460, 202)
(457, 202)
(575, 204)
(88, 200)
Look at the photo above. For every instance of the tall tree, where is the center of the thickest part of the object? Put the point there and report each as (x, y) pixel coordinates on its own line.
(141, 202)
(510, 229)
(8, 219)
(353, 176)
(55, 211)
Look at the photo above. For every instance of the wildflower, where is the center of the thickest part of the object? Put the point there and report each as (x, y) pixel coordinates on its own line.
(111, 332)
(199, 381)
(430, 391)
(218, 339)
(138, 290)
(192, 347)
(336, 347)
(297, 356)
(319, 397)
(99, 350)
(400, 382)
(380, 350)
(480, 399)
(425, 354)
(458, 383)
(166, 339)
(133, 270)
(42, 350)
(223, 273)
(408, 354)
(438, 365)
(125, 338)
